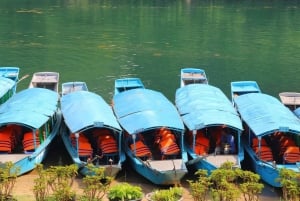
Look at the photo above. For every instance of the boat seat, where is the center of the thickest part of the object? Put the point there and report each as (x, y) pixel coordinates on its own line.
(201, 145)
(264, 153)
(28, 142)
(255, 142)
(168, 147)
(85, 148)
(5, 142)
(141, 150)
(291, 155)
(107, 144)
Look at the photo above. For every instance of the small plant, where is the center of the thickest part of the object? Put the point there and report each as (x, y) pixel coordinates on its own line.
(55, 183)
(171, 194)
(96, 184)
(289, 180)
(124, 192)
(249, 185)
(8, 177)
(200, 188)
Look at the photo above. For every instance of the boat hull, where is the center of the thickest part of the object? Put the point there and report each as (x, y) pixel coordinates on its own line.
(212, 162)
(109, 170)
(268, 171)
(24, 163)
(171, 174)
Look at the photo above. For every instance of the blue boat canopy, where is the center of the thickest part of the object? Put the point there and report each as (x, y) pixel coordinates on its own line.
(202, 105)
(144, 109)
(297, 112)
(82, 109)
(265, 114)
(5, 85)
(31, 107)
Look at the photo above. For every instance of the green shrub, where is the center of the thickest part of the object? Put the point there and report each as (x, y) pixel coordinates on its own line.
(8, 177)
(171, 194)
(125, 191)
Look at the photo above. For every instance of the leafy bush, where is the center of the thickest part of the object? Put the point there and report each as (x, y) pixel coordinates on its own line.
(125, 191)
(171, 194)
(8, 177)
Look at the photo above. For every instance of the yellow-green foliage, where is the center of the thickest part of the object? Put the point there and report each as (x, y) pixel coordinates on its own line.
(290, 181)
(8, 177)
(171, 194)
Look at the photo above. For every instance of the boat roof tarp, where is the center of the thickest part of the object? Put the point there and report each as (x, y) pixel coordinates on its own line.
(145, 109)
(31, 107)
(83, 109)
(202, 105)
(5, 85)
(264, 114)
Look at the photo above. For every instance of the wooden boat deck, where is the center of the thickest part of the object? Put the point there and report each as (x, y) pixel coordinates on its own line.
(11, 157)
(193, 76)
(218, 160)
(48, 80)
(166, 165)
(290, 98)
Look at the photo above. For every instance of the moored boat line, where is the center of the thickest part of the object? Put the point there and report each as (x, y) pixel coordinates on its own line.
(161, 140)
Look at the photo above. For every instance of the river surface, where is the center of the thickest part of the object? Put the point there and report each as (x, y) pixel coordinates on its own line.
(98, 41)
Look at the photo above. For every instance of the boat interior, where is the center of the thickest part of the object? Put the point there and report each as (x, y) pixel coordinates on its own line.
(194, 78)
(209, 141)
(279, 148)
(97, 145)
(15, 139)
(156, 144)
(49, 85)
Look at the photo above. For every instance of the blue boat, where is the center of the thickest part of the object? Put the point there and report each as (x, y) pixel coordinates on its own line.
(91, 133)
(69, 87)
(10, 73)
(29, 121)
(127, 84)
(9, 77)
(7, 89)
(272, 135)
(192, 76)
(208, 114)
(154, 134)
(243, 87)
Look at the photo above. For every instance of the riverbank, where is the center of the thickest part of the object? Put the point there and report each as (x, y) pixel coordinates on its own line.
(23, 189)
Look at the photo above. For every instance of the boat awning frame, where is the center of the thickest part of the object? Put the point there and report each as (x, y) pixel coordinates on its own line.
(202, 105)
(31, 107)
(139, 110)
(97, 113)
(264, 114)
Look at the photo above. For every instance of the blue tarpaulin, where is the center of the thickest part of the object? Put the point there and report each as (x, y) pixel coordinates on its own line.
(265, 114)
(202, 105)
(31, 107)
(144, 109)
(82, 109)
